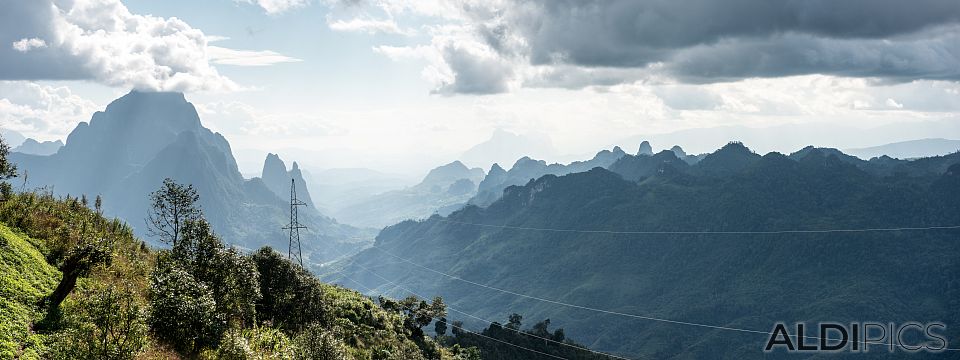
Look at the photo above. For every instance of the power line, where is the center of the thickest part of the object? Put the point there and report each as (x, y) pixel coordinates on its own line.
(482, 319)
(743, 232)
(452, 325)
(611, 312)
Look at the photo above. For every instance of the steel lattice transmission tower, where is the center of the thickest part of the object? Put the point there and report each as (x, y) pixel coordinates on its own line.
(293, 251)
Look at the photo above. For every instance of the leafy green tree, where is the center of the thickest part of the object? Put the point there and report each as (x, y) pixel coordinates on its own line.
(513, 322)
(541, 329)
(465, 353)
(291, 297)
(79, 261)
(440, 328)
(7, 170)
(183, 310)
(108, 322)
(417, 313)
(558, 335)
(232, 277)
(317, 343)
(457, 329)
(173, 205)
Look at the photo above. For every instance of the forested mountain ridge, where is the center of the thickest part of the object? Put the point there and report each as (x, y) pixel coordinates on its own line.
(526, 168)
(126, 151)
(739, 280)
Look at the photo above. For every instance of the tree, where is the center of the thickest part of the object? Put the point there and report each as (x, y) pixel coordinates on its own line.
(440, 327)
(108, 322)
(514, 321)
(315, 342)
(417, 313)
(183, 310)
(172, 206)
(558, 335)
(232, 277)
(7, 170)
(457, 329)
(541, 329)
(291, 297)
(78, 262)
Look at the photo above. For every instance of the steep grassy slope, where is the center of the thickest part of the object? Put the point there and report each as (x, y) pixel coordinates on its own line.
(25, 277)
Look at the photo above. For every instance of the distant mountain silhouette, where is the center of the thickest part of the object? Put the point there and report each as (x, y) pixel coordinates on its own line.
(126, 151)
(444, 189)
(645, 148)
(748, 281)
(526, 169)
(277, 179)
(33, 147)
(338, 188)
(12, 138)
(506, 146)
(908, 149)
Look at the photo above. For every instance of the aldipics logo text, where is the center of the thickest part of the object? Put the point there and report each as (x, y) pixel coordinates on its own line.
(858, 337)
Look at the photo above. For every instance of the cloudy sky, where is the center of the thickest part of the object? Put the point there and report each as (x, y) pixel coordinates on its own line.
(405, 84)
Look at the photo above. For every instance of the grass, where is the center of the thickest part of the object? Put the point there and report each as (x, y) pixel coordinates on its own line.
(25, 277)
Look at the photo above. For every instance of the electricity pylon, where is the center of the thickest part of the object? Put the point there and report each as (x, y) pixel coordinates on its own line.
(293, 251)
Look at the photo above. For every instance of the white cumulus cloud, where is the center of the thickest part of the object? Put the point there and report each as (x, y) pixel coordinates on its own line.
(225, 56)
(41, 111)
(24, 45)
(102, 41)
(369, 26)
(274, 7)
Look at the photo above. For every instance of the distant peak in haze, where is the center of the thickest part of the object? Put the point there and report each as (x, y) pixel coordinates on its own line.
(33, 147)
(276, 177)
(909, 149)
(504, 147)
(677, 150)
(645, 148)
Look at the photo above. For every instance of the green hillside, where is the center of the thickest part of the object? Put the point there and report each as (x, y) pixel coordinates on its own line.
(741, 280)
(200, 299)
(25, 278)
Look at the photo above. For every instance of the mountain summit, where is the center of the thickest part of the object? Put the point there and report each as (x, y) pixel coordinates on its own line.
(277, 179)
(126, 151)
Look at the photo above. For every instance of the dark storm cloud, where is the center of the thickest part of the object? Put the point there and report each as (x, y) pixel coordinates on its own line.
(475, 74)
(710, 40)
(935, 57)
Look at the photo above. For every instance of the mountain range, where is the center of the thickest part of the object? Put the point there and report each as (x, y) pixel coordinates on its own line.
(443, 190)
(908, 149)
(124, 152)
(527, 169)
(31, 146)
(658, 237)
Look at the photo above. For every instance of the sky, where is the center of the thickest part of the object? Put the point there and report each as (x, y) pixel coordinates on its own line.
(405, 85)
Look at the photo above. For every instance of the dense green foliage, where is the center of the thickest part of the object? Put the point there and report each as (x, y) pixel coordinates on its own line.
(740, 280)
(199, 299)
(97, 302)
(538, 339)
